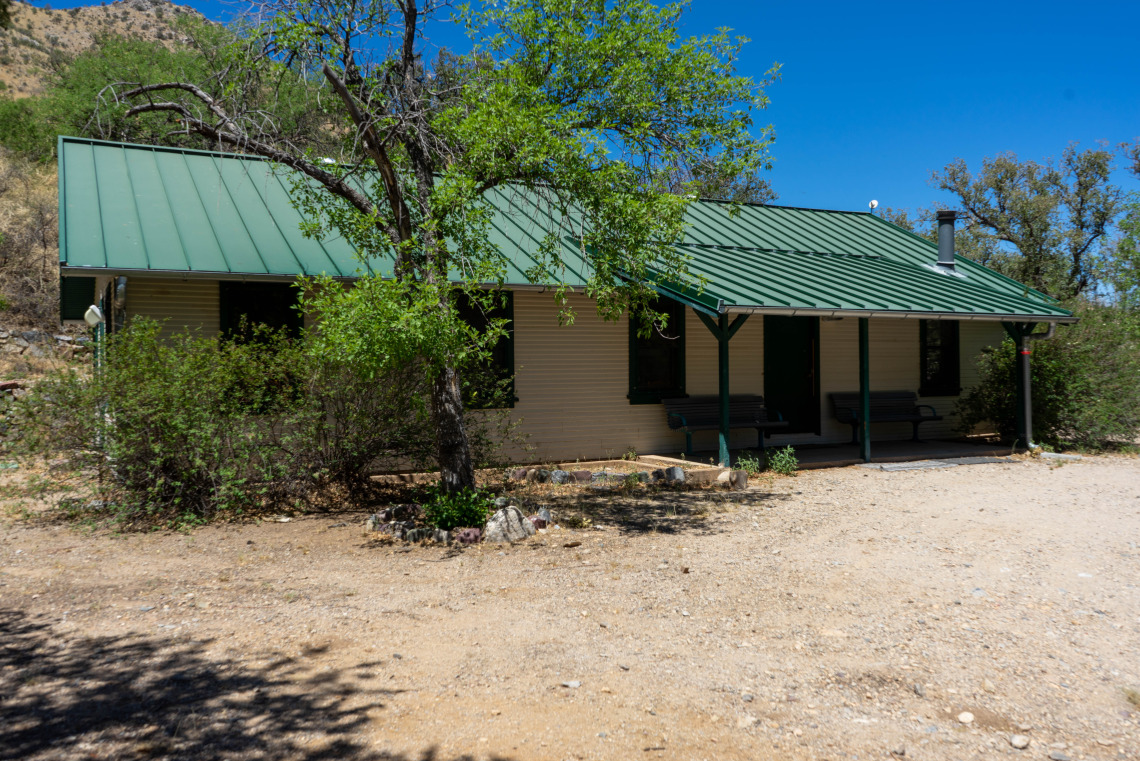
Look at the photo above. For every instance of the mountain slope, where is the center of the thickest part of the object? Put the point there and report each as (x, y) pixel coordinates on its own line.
(41, 39)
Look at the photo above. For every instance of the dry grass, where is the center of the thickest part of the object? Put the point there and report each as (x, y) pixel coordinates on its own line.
(29, 245)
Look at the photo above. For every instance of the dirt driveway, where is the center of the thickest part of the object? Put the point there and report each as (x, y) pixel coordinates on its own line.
(842, 614)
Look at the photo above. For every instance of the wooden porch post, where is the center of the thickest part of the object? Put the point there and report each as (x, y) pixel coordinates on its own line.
(723, 332)
(722, 372)
(864, 389)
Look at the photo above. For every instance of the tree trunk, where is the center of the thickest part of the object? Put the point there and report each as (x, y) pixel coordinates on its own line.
(455, 467)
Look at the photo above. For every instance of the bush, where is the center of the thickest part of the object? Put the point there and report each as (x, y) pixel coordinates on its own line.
(467, 508)
(183, 429)
(750, 464)
(783, 461)
(1085, 383)
(167, 425)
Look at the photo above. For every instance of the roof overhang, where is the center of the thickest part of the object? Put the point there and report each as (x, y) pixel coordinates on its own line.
(899, 315)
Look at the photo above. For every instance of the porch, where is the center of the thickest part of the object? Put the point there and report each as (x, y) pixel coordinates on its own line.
(813, 456)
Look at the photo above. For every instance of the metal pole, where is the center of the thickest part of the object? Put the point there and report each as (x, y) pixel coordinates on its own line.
(1024, 393)
(864, 389)
(722, 357)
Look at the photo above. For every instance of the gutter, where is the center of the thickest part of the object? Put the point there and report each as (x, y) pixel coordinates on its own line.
(721, 308)
(1053, 319)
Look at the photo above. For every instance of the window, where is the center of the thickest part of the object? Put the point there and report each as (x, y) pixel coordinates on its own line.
(486, 385)
(75, 295)
(657, 363)
(938, 340)
(271, 304)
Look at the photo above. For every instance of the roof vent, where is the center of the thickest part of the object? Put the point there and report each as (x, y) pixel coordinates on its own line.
(946, 238)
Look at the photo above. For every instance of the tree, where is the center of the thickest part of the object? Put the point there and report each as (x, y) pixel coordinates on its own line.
(76, 101)
(583, 110)
(1049, 216)
(970, 239)
(5, 14)
(714, 184)
(1121, 265)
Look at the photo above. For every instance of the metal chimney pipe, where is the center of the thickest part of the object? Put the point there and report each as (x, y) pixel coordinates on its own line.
(946, 237)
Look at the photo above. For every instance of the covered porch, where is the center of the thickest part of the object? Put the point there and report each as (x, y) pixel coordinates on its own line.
(862, 278)
(815, 456)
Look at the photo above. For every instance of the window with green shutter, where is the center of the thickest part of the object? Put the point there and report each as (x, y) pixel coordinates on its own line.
(76, 294)
(939, 347)
(244, 305)
(657, 361)
(490, 384)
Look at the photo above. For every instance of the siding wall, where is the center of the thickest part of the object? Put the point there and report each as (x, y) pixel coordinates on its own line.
(572, 381)
(180, 303)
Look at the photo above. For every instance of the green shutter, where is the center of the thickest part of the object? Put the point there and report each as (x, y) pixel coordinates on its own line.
(75, 295)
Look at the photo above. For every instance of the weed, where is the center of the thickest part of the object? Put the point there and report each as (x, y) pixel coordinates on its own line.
(1132, 696)
(461, 509)
(576, 521)
(630, 453)
(784, 461)
(750, 464)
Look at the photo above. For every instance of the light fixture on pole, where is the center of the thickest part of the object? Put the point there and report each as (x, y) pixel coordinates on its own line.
(94, 316)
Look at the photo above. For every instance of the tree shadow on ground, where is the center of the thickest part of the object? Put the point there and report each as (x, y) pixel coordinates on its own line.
(138, 697)
(663, 511)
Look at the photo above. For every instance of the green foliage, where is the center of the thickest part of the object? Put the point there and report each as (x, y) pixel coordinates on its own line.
(80, 94)
(167, 423)
(1039, 223)
(750, 464)
(783, 461)
(379, 335)
(1120, 268)
(588, 109)
(185, 429)
(465, 508)
(1086, 383)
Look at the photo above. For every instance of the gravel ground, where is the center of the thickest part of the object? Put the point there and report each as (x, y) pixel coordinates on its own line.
(844, 613)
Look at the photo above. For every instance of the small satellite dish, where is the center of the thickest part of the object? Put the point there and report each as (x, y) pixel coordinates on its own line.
(93, 316)
(874, 204)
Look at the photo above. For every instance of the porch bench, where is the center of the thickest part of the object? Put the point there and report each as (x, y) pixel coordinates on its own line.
(886, 407)
(702, 413)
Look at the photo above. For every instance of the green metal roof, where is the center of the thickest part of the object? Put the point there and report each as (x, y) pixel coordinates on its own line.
(165, 211)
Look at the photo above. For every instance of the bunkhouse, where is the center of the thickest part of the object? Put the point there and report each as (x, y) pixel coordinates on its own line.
(813, 326)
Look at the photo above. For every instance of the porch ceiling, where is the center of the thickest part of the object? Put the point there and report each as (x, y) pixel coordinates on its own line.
(162, 211)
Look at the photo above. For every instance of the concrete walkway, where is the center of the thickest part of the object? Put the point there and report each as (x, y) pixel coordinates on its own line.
(813, 456)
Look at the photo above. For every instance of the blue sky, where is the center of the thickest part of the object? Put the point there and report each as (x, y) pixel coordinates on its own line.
(875, 96)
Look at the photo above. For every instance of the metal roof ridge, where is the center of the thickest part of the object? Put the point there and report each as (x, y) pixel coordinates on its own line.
(758, 205)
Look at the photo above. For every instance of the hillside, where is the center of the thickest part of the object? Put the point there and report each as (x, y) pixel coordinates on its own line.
(42, 38)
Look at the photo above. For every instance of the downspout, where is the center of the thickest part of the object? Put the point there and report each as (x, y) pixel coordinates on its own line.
(1024, 384)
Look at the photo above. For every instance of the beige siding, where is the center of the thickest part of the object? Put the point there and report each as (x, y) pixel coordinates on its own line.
(179, 303)
(572, 381)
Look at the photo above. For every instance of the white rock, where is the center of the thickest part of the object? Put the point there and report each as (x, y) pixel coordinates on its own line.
(508, 525)
(1021, 742)
(966, 717)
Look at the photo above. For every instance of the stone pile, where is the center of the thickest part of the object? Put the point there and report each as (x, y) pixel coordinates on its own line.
(37, 343)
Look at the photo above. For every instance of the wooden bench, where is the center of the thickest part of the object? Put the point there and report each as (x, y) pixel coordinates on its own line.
(886, 407)
(702, 413)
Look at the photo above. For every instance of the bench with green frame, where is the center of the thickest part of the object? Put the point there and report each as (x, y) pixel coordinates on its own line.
(886, 407)
(702, 413)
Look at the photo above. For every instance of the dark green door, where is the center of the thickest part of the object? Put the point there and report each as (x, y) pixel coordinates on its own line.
(791, 370)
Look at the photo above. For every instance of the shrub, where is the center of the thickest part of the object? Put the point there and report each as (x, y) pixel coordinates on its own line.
(182, 429)
(1085, 383)
(168, 425)
(750, 464)
(783, 461)
(467, 508)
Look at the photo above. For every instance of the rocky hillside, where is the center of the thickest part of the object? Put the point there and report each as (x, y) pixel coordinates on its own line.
(42, 38)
